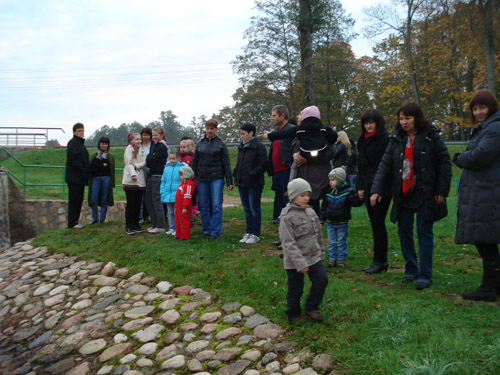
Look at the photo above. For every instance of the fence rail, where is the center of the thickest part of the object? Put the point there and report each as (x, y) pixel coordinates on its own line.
(15, 136)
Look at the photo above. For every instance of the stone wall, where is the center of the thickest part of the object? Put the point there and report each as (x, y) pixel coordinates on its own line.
(4, 209)
(29, 217)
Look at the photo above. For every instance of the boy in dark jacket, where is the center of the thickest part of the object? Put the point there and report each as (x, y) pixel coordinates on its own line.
(336, 211)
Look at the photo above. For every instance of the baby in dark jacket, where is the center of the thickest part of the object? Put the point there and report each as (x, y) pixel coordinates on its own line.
(336, 211)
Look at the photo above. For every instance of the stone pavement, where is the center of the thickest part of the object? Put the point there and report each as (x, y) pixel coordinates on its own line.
(60, 315)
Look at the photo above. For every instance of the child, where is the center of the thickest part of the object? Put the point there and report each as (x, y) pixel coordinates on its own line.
(185, 155)
(169, 183)
(303, 251)
(184, 204)
(336, 211)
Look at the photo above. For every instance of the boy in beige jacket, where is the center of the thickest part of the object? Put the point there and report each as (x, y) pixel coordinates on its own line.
(303, 251)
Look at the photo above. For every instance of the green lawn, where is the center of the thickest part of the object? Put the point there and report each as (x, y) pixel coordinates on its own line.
(373, 324)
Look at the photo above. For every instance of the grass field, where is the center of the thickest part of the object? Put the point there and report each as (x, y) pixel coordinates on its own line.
(373, 324)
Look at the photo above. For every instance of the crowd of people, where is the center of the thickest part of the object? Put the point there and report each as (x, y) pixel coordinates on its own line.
(317, 176)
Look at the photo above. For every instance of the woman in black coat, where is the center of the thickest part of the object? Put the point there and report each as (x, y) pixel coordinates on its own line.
(371, 147)
(417, 165)
(249, 177)
(478, 203)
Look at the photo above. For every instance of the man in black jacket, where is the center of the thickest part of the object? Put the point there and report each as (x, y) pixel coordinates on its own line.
(77, 174)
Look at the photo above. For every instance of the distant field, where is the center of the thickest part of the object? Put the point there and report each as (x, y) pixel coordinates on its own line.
(57, 157)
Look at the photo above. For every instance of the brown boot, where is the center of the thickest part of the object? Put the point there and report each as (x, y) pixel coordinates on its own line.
(314, 315)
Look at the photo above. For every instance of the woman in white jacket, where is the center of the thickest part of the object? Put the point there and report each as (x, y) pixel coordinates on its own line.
(134, 182)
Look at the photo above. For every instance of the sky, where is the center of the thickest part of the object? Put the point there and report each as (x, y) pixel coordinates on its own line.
(117, 61)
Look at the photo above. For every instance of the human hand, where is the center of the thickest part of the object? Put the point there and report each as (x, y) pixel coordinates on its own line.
(439, 199)
(264, 136)
(361, 194)
(184, 211)
(229, 187)
(374, 199)
(134, 178)
(299, 159)
(305, 270)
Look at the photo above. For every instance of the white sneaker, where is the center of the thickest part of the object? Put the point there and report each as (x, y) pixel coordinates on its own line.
(170, 232)
(173, 233)
(253, 239)
(150, 229)
(245, 238)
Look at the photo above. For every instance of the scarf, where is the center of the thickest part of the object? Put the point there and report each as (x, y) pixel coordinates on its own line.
(408, 171)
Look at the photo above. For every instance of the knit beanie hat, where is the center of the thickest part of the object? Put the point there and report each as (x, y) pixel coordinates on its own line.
(297, 187)
(187, 172)
(311, 111)
(338, 174)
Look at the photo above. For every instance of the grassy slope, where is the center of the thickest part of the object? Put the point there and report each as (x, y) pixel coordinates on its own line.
(373, 323)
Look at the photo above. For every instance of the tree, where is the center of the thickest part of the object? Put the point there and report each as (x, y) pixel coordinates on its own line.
(52, 142)
(386, 19)
(305, 30)
(486, 10)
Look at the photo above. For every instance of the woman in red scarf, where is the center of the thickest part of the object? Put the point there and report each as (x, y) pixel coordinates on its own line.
(416, 164)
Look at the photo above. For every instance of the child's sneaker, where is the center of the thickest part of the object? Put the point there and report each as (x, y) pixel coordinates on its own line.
(169, 232)
(253, 239)
(341, 264)
(245, 238)
(332, 263)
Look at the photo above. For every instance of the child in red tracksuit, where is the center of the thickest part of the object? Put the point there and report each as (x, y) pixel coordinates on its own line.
(184, 204)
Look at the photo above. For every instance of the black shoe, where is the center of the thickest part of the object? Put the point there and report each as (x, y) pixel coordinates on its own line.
(481, 294)
(296, 320)
(276, 221)
(212, 237)
(331, 264)
(314, 315)
(280, 247)
(422, 285)
(276, 243)
(376, 267)
(129, 231)
(408, 278)
(93, 222)
(138, 229)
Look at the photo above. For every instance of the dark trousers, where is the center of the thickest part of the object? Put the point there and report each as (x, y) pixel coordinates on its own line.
(133, 207)
(75, 200)
(280, 183)
(488, 251)
(377, 216)
(319, 281)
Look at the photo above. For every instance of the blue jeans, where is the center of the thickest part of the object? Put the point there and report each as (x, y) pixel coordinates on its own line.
(99, 184)
(250, 200)
(351, 180)
(280, 183)
(337, 238)
(210, 205)
(171, 215)
(425, 244)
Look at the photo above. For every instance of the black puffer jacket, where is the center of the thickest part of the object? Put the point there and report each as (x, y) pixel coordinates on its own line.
(432, 168)
(478, 214)
(157, 158)
(336, 207)
(251, 164)
(370, 152)
(211, 160)
(77, 162)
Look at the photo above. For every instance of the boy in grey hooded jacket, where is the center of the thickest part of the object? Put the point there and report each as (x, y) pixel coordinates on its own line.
(303, 251)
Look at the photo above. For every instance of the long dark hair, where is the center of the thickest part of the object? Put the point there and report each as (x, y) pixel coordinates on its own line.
(372, 115)
(414, 110)
(483, 97)
(103, 140)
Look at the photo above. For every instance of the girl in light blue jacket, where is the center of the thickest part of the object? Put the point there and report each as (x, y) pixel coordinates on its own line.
(169, 183)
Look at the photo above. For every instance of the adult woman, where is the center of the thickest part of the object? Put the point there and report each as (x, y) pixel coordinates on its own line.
(102, 180)
(146, 135)
(417, 165)
(211, 165)
(76, 174)
(371, 147)
(249, 177)
(478, 196)
(134, 182)
(342, 150)
(155, 162)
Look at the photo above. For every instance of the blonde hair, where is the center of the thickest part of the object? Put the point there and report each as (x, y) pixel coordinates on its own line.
(161, 132)
(344, 138)
(131, 137)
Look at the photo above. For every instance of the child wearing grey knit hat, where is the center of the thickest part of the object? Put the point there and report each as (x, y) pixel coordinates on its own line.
(336, 211)
(303, 251)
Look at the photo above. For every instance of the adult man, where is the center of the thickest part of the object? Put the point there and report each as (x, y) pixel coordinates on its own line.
(77, 174)
(280, 158)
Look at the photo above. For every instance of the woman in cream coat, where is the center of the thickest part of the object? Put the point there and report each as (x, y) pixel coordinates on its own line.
(133, 182)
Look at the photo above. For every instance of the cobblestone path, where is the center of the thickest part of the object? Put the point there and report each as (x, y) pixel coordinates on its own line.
(60, 315)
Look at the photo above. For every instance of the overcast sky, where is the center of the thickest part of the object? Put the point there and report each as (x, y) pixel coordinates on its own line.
(118, 61)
